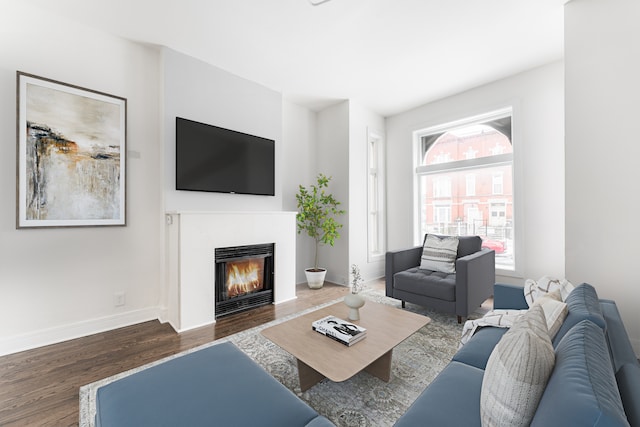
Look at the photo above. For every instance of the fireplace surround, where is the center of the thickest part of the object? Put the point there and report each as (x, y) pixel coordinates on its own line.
(191, 240)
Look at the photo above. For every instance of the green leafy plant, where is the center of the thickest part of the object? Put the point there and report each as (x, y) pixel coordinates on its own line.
(317, 212)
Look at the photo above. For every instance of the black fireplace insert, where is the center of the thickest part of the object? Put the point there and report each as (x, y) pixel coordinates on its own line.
(243, 278)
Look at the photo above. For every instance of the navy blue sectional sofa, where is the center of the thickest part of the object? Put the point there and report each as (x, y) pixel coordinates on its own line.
(595, 381)
(216, 386)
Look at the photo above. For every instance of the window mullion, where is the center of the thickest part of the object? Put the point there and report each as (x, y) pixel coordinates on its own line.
(459, 165)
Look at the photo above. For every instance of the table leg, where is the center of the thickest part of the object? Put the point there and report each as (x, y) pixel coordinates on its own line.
(308, 376)
(381, 368)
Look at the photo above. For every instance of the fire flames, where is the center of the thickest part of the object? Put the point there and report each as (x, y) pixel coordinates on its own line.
(244, 277)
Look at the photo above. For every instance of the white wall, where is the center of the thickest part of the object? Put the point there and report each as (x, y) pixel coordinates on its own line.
(299, 160)
(57, 284)
(537, 99)
(195, 90)
(602, 151)
(333, 142)
(361, 122)
(332, 153)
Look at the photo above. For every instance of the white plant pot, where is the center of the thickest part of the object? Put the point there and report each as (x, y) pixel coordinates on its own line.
(315, 279)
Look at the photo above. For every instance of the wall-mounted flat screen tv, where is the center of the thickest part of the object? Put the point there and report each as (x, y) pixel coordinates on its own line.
(214, 159)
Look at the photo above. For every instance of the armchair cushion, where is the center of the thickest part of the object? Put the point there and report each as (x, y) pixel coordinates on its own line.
(426, 282)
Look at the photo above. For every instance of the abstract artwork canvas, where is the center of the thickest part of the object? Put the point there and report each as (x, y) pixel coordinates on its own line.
(71, 155)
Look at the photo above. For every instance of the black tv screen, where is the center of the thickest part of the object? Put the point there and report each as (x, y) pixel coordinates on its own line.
(214, 159)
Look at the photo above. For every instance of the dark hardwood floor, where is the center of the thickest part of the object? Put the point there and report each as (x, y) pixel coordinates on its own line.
(40, 387)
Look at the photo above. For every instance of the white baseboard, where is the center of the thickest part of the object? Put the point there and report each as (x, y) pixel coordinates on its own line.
(59, 334)
(286, 300)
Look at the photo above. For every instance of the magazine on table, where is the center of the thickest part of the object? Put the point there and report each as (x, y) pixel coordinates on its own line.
(340, 330)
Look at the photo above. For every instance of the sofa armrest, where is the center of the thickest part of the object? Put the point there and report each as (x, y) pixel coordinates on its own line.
(628, 379)
(620, 347)
(507, 297)
(400, 260)
(475, 277)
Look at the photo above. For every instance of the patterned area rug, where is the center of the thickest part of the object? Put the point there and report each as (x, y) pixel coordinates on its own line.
(362, 401)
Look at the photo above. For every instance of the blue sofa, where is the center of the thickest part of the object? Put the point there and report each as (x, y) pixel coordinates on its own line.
(218, 385)
(595, 381)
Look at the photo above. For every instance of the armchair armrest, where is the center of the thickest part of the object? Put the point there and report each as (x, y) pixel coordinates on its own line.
(507, 296)
(475, 278)
(400, 260)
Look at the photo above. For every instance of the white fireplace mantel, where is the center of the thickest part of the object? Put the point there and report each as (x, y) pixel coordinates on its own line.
(191, 239)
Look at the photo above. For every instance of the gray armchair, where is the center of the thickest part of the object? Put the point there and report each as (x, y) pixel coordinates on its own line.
(459, 293)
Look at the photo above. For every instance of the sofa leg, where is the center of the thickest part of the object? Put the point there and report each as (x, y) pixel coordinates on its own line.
(403, 304)
(459, 319)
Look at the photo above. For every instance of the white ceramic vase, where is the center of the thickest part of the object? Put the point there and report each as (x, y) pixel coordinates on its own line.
(354, 302)
(315, 279)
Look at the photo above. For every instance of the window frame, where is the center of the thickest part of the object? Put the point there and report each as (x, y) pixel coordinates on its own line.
(512, 158)
(376, 202)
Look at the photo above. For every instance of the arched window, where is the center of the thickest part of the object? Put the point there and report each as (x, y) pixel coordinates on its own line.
(465, 182)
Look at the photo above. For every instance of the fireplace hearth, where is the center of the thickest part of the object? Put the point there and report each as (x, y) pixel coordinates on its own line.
(243, 278)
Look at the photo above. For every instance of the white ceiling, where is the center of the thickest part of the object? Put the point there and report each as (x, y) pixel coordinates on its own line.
(389, 55)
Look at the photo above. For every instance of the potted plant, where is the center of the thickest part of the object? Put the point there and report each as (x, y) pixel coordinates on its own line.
(317, 212)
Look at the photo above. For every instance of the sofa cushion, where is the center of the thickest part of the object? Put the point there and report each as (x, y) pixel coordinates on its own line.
(517, 372)
(477, 350)
(582, 390)
(206, 387)
(320, 421)
(432, 284)
(439, 253)
(450, 400)
(582, 304)
(628, 379)
(555, 311)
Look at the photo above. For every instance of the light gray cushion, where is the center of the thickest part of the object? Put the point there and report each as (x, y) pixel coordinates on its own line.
(517, 372)
(439, 253)
(555, 311)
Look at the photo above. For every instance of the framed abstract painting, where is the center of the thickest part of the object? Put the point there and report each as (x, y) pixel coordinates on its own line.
(71, 155)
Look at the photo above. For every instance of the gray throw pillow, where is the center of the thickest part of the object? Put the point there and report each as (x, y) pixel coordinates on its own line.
(439, 253)
(517, 372)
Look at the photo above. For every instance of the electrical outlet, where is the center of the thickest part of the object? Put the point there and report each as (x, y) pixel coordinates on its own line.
(119, 299)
